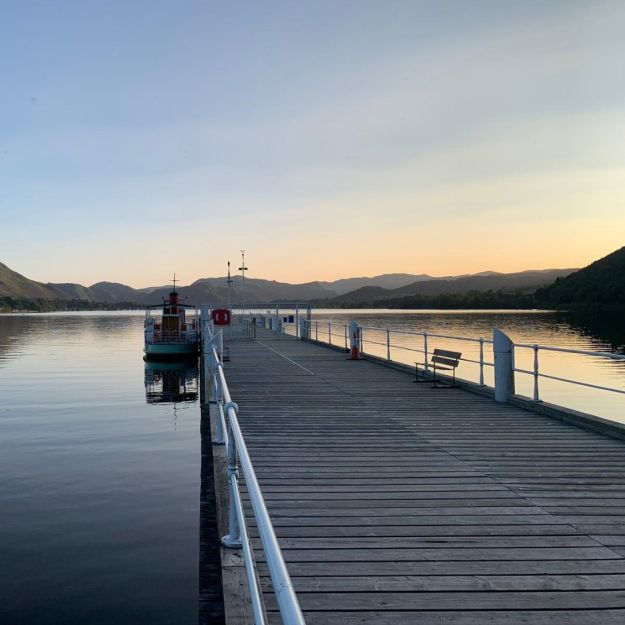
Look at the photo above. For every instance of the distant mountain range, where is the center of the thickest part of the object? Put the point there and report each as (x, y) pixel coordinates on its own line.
(213, 290)
(485, 281)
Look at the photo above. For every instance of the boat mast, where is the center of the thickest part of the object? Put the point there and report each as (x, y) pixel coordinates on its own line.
(229, 292)
(243, 269)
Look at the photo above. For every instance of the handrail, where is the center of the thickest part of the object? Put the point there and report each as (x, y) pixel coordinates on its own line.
(288, 604)
(536, 374)
(583, 352)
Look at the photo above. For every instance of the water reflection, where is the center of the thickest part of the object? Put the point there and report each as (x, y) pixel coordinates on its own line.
(170, 382)
(605, 326)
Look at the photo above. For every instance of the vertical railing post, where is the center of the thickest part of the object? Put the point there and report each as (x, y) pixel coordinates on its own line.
(346, 348)
(503, 350)
(215, 393)
(316, 330)
(481, 362)
(219, 402)
(388, 345)
(425, 351)
(329, 333)
(233, 538)
(219, 426)
(297, 328)
(220, 345)
(536, 393)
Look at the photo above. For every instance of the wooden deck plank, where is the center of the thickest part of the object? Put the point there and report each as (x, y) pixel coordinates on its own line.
(398, 503)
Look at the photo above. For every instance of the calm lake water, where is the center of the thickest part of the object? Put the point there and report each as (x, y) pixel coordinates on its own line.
(100, 456)
(99, 475)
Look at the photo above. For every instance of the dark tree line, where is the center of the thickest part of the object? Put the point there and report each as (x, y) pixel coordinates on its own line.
(9, 304)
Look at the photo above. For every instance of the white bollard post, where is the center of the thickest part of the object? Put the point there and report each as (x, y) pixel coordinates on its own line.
(354, 336)
(302, 329)
(503, 350)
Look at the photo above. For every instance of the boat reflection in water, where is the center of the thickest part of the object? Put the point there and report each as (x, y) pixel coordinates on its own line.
(170, 382)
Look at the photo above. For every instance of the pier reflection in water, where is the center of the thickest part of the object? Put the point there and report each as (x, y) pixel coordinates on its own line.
(178, 383)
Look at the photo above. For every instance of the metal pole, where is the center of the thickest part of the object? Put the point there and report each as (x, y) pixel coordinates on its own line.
(219, 429)
(388, 345)
(536, 394)
(482, 362)
(316, 330)
(232, 539)
(425, 351)
(346, 348)
(297, 332)
(330, 333)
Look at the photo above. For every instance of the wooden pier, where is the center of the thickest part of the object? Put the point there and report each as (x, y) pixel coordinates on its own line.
(398, 503)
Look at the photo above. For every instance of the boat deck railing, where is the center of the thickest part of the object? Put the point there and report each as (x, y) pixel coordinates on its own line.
(184, 336)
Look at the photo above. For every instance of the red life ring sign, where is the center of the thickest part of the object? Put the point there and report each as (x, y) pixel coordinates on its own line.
(221, 316)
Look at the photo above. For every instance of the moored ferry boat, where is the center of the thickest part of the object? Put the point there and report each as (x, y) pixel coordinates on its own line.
(172, 334)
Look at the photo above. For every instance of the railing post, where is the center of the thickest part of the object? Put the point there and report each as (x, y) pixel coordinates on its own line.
(219, 426)
(316, 330)
(536, 393)
(220, 345)
(503, 350)
(329, 333)
(233, 538)
(481, 362)
(346, 348)
(388, 345)
(215, 393)
(425, 351)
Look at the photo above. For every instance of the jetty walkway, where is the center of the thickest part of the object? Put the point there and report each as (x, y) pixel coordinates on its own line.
(398, 503)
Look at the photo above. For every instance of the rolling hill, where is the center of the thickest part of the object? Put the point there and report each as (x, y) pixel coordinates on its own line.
(13, 284)
(602, 283)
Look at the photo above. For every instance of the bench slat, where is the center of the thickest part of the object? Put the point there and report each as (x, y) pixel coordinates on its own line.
(445, 361)
(447, 354)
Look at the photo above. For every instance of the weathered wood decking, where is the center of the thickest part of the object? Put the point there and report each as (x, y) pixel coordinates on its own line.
(398, 503)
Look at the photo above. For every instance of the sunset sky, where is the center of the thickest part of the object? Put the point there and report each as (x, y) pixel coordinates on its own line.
(327, 138)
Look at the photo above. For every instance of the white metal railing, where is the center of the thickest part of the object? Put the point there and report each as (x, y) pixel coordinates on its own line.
(536, 373)
(325, 332)
(228, 432)
(173, 336)
(321, 331)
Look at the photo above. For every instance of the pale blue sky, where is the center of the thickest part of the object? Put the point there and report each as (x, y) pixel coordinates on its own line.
(327, 138)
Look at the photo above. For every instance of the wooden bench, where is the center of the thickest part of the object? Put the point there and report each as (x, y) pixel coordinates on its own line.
(442, 360)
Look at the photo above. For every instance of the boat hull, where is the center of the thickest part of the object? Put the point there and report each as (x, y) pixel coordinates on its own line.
(170, 351)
